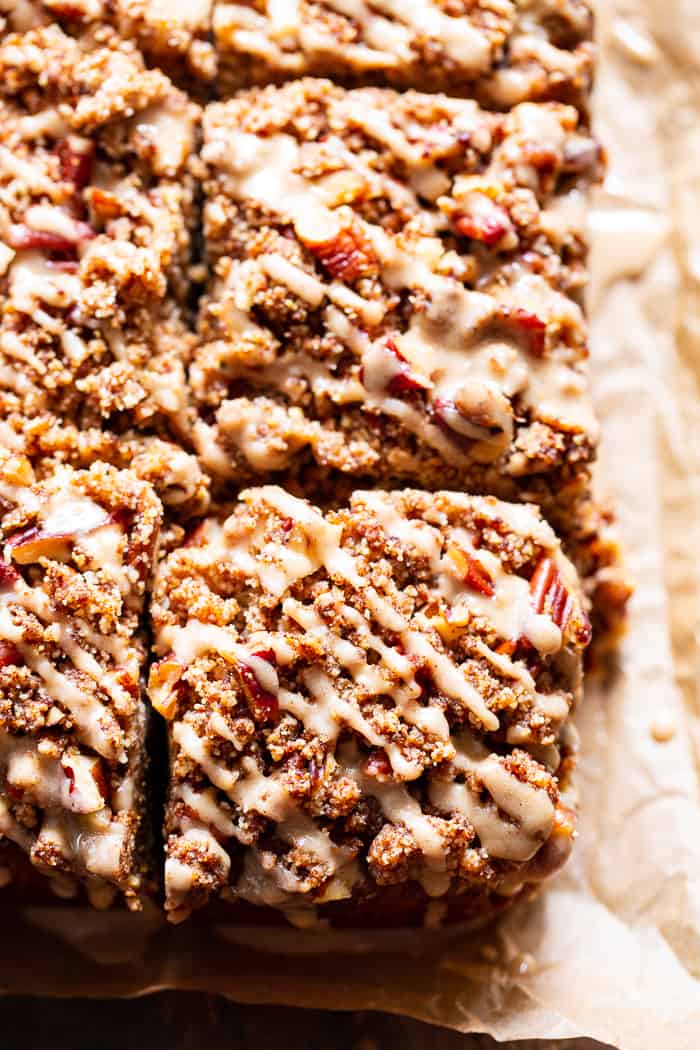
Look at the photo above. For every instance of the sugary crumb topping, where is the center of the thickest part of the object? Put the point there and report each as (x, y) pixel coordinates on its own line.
(501, 51)
(95, 213)
(76, 552)
(173, 34)
(368, 707)
(372, 697)
(393, 292)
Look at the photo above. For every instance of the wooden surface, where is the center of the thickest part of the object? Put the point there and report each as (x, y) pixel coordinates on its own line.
(187, 1021)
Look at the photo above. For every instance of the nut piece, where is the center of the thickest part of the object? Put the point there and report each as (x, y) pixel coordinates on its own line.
(86, 787)
(31, 544)
(528, 327)
(9, 654)
(8, 576)
(483, 220)
(76, 157)
(471, 571)
(347, 256)
(162, 681)
(549, 595)
(263, 704)
(377, 765)
(385, 368)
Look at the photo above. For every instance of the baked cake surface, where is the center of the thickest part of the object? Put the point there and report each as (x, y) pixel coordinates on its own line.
(77, 554)
(499, 51)
(173, 36)
(367, 705)
(96, 209)
(394, 292)
(367, 710)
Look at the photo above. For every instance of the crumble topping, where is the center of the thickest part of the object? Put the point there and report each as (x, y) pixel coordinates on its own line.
(172, 34)
(368, 706)
(96, 208)
(501, 51)
(77, 551)
(374, 696)
(391, 297)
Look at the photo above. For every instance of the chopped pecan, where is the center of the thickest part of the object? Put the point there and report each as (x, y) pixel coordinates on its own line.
(162, 682)
(544, 159)
(9, 654)
(471, 571)
(347, 256)
(8, 576)
(20, 236)
(105, 205)
(459, 425)
(31, 544)
(263, 704)
(581, 155)
(377, 764)
(484, 221)
(69, 12)
(87, 783)
(548, 594)
(64, 265)
(397, 379)
(527, 326)
(76, 158)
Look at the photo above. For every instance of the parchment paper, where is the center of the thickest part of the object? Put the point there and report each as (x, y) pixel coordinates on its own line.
(612, 950)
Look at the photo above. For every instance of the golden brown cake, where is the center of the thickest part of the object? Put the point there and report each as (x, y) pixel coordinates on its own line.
(77, 552)
(394, 293)
(367, 710)
(331, 289)
(173, 36)
(499, 51)
(96, 210)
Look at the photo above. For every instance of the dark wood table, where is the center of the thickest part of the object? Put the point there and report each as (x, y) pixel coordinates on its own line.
(191, 1021)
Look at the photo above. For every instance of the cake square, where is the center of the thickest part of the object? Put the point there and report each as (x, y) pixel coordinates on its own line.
(77, 554)
(96, 212)
(367, 709)
(173, 37)
(501, 52)
(395, 293)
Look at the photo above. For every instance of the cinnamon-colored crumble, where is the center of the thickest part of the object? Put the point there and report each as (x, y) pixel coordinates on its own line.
(499, 51)
(96, 210)
(342, 288)
(393, 291)
(76, 554)
(375, 698)
(174, 37)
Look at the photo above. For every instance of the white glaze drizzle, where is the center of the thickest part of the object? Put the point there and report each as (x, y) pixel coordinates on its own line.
(517, 817)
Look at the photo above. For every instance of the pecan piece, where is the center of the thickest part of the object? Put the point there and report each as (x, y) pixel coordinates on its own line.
(529, 328)
(162, 685)
(471, 571)
(263, 704)
(377, 764)
(31, 544)
(483, 220)
(347, 256)
(76, 158)
(385, 368)
(105, 205)
(8, 576)
(581, 154)
(548, 594)
(10, 655)
(21, 236)
(87, 788)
